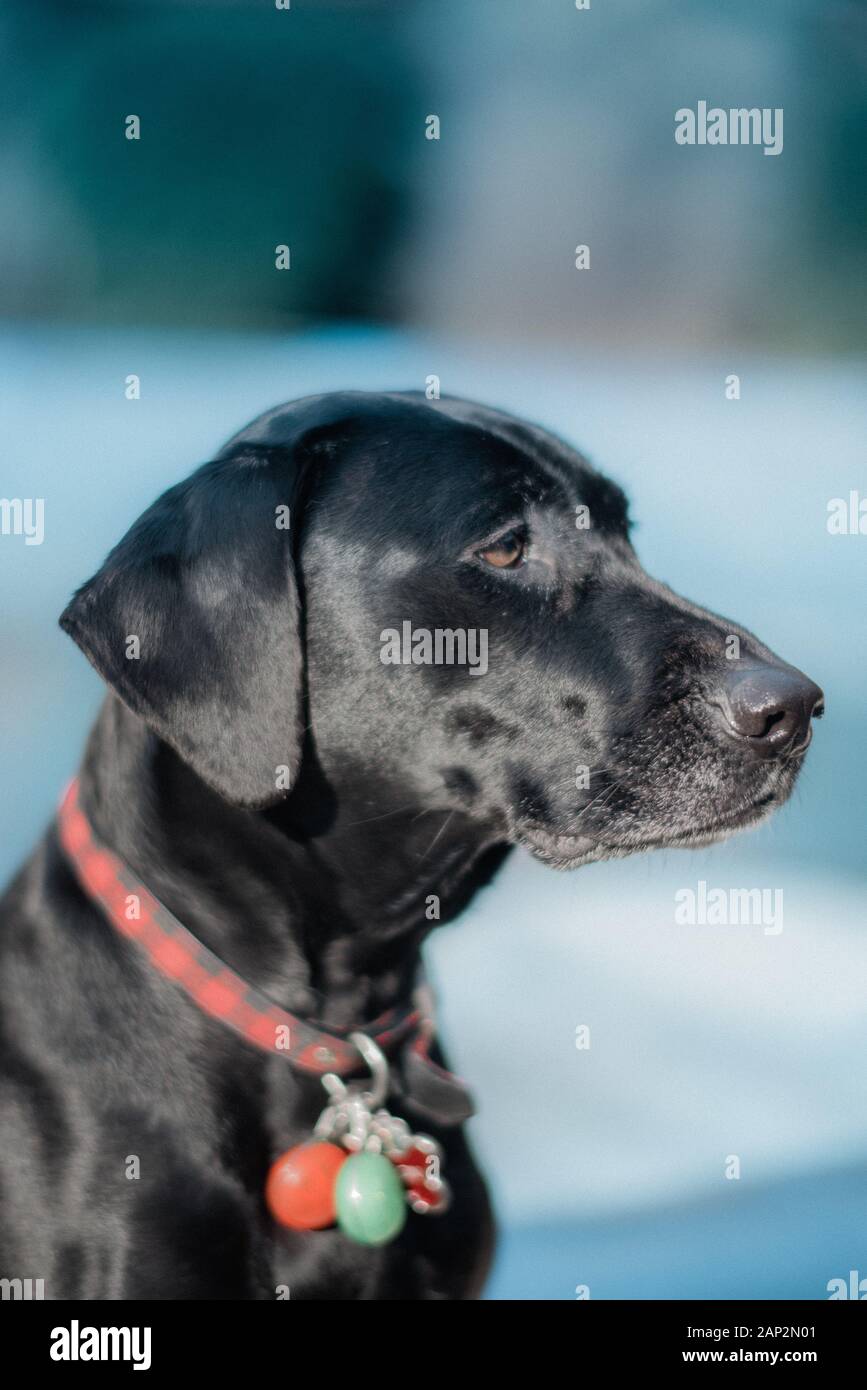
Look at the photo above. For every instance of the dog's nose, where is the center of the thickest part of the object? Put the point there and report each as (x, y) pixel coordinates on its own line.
(771, 707)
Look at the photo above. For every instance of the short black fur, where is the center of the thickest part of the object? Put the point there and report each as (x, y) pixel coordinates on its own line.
(295, 802)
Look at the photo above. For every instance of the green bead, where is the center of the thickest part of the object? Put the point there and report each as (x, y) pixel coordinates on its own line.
(370, 1200)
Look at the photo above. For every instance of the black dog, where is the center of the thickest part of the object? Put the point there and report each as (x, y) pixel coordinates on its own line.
(307, 799)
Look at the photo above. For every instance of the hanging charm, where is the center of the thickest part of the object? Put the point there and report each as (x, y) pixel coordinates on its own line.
(363, 1167)
(299, 1189)
(369, 1198)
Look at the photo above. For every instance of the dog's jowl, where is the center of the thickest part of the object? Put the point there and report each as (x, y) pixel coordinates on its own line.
(232, 901)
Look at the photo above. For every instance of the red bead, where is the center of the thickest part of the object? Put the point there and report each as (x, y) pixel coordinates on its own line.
(425, 1196)
(419, 1168)
(415, 1157)
(299, 1189)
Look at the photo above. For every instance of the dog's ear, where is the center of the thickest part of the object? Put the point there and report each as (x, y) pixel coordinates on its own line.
(194, 620)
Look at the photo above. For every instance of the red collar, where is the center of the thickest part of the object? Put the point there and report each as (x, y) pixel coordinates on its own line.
(222, 994)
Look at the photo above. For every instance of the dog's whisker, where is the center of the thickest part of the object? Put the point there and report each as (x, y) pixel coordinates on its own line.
(445, 823)
(396, 811)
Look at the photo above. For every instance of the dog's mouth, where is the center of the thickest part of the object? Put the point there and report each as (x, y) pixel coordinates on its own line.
(565, 851)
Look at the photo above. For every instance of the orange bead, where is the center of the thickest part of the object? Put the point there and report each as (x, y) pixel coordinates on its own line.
(299, 1189)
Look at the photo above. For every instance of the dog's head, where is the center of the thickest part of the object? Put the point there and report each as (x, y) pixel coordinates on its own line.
(445, 600)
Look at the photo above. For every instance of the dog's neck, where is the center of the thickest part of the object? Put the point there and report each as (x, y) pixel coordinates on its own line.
(322, 902)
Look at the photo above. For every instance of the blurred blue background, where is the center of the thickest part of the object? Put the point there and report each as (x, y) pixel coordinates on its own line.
(455, 258)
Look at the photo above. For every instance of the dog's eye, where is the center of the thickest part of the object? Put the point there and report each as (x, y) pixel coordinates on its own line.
(507, 552)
